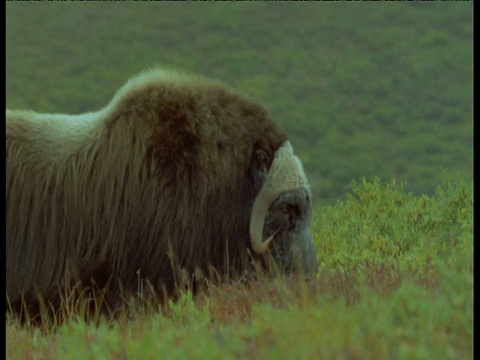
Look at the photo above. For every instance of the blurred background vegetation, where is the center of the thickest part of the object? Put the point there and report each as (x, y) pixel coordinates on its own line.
(361, 89)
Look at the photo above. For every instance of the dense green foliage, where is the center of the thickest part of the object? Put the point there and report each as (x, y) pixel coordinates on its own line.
(382, 222)
(395, 282)
(361, 89)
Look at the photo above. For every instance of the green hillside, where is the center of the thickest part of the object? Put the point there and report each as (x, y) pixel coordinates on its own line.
(362, 89)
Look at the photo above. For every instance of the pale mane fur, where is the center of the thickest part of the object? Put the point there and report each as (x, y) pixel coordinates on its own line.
(157, 179)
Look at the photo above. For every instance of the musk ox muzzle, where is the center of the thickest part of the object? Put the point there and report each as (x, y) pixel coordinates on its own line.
(281, 215)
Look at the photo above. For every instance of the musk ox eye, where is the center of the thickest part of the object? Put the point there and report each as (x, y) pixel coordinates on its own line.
(259, 167)
(262, 156)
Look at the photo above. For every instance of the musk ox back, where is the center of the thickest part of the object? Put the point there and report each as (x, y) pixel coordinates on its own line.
(176, 173)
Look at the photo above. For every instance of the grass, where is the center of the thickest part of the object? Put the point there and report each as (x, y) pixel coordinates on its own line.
(395, 282)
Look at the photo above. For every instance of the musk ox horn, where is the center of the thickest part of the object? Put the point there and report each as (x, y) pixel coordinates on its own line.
(285, 174)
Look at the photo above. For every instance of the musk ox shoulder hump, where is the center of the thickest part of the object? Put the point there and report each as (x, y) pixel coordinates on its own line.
(173, 113)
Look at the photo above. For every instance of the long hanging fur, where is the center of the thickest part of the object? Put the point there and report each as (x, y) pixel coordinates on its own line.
(160, 179)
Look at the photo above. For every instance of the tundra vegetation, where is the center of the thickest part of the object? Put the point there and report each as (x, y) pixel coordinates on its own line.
(361, 90)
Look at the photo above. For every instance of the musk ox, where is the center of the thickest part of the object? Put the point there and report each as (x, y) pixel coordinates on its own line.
(177, 172)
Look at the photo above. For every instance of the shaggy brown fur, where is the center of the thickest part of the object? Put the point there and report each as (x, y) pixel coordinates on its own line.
(158, 180)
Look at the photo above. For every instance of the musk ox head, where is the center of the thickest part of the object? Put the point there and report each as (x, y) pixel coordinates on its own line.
(176, 174)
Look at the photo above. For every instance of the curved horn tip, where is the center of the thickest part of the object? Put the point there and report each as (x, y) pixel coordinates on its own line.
(263, 247)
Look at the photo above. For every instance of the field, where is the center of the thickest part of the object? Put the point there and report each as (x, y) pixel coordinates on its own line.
(378, 102)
